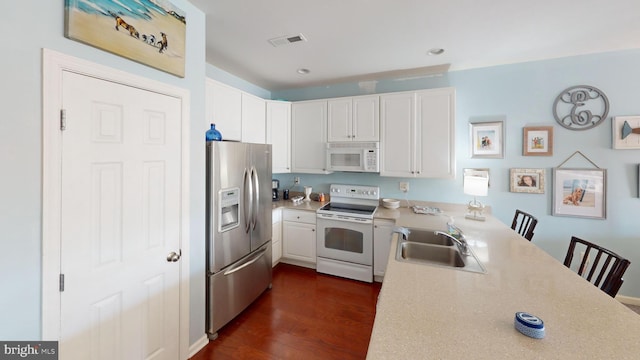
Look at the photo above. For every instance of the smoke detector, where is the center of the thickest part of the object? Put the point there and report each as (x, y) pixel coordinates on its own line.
(286, 40)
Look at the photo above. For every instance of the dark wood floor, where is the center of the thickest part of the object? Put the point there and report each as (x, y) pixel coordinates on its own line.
(305, 315)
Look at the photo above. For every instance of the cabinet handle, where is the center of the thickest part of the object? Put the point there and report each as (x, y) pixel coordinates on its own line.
(313, 229)
(418, 172)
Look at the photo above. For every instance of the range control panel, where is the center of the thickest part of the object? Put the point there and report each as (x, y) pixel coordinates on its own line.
(355, 191)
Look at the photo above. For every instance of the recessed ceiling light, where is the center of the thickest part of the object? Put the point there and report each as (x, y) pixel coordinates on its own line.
(435, 51)
(303, 71)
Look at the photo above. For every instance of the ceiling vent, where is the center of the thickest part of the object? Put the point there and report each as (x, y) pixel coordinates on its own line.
(285, 40)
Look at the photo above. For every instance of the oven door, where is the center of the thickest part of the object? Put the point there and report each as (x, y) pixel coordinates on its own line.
(345, 239)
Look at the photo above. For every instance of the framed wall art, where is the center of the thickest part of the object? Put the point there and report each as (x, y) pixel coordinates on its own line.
(527, 181)
(151, 32)
(580, 193)
(625, 132)
(537, 141)
(487, 139)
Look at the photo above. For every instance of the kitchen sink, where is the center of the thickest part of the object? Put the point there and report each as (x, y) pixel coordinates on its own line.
(427, 237)
(420, 252)
(421, 246)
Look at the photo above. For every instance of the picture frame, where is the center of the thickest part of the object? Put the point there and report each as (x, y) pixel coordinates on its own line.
(150, 33)
(537, 141)
(580, 193)
(529, 181)
(623, 134)
(487, 139)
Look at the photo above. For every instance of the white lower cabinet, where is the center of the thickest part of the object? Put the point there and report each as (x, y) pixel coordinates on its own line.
(299, 235)
(382, 230)
(276, 236)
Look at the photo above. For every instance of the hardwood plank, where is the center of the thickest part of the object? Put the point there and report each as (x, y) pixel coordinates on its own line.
(306, 315)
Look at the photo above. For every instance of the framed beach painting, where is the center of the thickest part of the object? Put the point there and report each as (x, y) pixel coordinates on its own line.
(487, 139)
(151, 32)
(537, 141)
(580, 193)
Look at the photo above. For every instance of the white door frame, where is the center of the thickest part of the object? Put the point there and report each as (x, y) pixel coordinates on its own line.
(54, 64)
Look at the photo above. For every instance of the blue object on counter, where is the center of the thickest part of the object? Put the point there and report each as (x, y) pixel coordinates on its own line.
(529, 325)
(213, 134)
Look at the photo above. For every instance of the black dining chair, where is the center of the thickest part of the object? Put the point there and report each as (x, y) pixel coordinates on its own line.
(524, 224)
(607, 266)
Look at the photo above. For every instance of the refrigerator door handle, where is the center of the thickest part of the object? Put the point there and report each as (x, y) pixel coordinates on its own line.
(256, 186)
(247, 202)
(248, 262)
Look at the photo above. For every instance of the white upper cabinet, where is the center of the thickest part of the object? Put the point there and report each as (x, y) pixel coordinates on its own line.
(417, 137)
(309, 136)
(279, 135)
(224, 109)
(353, 119)
(254, 128)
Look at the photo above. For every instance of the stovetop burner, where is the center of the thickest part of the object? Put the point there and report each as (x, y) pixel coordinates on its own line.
(337, 207)
(352, 200)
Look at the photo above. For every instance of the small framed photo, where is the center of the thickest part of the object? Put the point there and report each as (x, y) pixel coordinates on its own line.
(527, 181)
(626, 132)
(580, 193)
(537, 141)
(487, 139)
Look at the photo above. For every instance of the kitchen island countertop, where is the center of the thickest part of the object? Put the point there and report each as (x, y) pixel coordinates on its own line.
(427, 312)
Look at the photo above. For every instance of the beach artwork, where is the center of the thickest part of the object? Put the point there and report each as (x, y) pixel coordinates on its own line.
(151, 32)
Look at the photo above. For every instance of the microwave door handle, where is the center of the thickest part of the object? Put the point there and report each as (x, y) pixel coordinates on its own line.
(247, 200)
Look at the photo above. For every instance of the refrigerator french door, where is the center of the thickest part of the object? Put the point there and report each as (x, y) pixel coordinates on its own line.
(238, 229)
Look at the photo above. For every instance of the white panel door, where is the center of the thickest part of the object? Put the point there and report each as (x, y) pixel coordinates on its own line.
(253, 120)
(279, 135)
(366, 118)
(398, 135)
(120, 218)
(339, 120)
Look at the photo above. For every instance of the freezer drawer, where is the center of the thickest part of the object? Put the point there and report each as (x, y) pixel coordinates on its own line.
(234, 288)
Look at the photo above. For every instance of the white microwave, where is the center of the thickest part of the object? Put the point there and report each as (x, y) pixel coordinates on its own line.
(353, 156)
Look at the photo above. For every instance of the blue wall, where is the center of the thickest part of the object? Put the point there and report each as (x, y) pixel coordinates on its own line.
(523, 95)
(21, 155)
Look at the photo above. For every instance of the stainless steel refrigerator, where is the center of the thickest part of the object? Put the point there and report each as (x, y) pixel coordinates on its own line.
(238, 229)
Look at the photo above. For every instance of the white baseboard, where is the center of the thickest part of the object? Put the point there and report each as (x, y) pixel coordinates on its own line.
(198, 345)
(628, 300)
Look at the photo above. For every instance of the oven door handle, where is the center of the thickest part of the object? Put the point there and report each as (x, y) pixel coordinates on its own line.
(344, 218)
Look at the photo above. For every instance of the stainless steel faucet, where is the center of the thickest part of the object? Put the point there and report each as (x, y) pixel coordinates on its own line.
(461, 242)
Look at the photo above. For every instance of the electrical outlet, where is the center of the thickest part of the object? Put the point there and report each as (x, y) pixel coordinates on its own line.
(404, 186)
(296, 180)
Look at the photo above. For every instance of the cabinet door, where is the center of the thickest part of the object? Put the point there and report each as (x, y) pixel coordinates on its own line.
(299, 241)
(253, 120)
(339, 120)
(276, 242)
(397, 138)
(223, 108)
(366, 118)
(381, 245)
(309, 137)
(279, 135)
(435, 151)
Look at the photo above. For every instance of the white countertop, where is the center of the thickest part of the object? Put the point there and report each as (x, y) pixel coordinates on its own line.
(427, 312)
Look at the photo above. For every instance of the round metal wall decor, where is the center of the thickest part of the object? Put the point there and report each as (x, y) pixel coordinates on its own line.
(580, 107)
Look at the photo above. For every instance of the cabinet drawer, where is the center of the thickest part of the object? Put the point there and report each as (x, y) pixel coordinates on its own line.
(308, 217)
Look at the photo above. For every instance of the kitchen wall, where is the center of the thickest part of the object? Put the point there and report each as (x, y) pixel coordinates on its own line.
(29, 26)
(523, 95)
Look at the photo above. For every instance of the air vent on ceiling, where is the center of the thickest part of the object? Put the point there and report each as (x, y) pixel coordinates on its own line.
(285, 40)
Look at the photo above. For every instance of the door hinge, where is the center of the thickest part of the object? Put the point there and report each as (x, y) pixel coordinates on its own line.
(63, 119)
(61, 282)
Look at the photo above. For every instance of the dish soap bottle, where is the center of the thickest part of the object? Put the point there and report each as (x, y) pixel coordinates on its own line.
(213, 134)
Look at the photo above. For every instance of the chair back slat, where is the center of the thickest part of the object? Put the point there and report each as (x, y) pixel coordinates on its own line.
(524, 224)
(609, 272)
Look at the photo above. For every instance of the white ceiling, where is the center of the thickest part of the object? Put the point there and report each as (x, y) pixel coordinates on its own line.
(354, 39)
